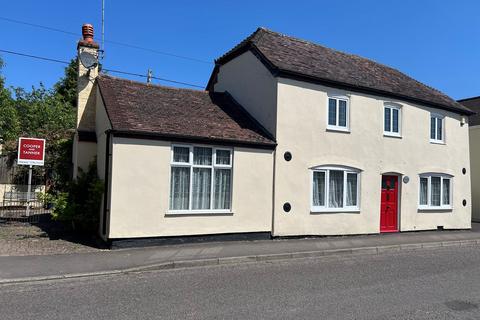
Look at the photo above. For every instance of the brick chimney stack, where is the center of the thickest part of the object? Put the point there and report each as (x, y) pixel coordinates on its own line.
(84, 146)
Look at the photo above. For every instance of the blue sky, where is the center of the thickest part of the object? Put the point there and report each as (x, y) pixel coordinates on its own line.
(436, 42)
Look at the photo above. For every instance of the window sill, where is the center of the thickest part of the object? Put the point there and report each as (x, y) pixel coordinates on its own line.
(198, 212)
(338, 129)
(437, 142)
(433, 209)
(392, 135)
(333, 210)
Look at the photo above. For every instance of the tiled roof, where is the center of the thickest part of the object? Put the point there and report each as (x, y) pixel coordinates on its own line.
(474, 105)
(290, 57)
(153, 110)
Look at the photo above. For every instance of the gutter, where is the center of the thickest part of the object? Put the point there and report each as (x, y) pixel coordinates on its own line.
(194, 139)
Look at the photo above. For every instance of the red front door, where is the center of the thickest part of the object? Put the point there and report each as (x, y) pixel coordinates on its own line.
(389, 205)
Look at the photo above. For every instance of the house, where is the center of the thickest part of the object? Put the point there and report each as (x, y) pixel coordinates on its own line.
(474, 127)
(289, 139)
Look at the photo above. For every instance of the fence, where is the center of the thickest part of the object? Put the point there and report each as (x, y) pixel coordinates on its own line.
(15, 203)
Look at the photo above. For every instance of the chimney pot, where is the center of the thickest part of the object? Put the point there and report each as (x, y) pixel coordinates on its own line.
(87, 33)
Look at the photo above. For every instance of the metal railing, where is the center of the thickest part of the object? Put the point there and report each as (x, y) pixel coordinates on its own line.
(18, 206)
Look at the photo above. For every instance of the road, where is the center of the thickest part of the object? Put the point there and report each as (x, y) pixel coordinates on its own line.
(438, 283)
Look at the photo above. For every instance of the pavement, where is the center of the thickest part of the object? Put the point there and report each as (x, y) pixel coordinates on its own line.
(36, 268)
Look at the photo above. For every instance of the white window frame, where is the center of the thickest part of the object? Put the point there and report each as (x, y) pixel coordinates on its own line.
(337, 127)
(326, 170)
(437, 118)
(442, 177)
(392, 107)
(191, 165)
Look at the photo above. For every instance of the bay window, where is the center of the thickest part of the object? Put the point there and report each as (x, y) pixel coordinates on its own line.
(335, 189)
(201, 179)
(435, 191)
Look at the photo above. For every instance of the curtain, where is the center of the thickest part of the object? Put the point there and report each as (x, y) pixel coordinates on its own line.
(342, 113)
(179, 188)
(318, 189)
(387, 119)
(332, 112)
(202, 156)
(223, 157)
(446, 191)
(351, 189)
(335, 197)
(222, 189)
(435, 196)
(181, 154)
(201, 188)
(423, 191)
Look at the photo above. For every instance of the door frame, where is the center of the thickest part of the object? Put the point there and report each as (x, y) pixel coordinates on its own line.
(399, 193)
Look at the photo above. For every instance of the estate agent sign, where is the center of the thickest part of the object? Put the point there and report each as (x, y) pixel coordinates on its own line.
(31, 151)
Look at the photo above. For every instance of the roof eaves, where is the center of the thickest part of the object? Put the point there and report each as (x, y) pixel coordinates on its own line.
(195, 139)
(302, 77)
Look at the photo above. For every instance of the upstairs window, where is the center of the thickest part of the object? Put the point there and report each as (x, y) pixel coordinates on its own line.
(437, 128)
(337, 113)
(435, 191)
(201, 179)
(335, 189)
(392, 120)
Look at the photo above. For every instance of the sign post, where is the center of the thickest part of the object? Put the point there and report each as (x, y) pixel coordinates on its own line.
(31, 152)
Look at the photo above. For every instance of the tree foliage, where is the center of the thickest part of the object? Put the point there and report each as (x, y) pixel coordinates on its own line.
(42, 113)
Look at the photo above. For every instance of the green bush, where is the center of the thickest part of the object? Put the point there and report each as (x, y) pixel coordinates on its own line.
(80, 206)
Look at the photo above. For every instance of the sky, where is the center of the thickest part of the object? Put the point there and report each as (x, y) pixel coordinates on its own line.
(435, 42)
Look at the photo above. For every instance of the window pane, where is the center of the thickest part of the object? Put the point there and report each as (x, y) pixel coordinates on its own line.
(335, 197)
(223, 157)
(179, 188)
(181, 154)
(435, 201)
(432, 128)
(318, 189)
(342, 113)
(332, 112)
(395, 120)
(221, 198)
(446, 191)
(351, 189)
(201, 188)
(387, 119)
(202, 156)
(423, 191)
(439, 129)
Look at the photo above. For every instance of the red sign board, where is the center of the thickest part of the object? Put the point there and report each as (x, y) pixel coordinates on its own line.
(31, 151)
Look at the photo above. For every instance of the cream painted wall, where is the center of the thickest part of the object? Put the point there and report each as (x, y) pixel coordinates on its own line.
(302, 114)
(253, 86)
(84, 152)
(475, 171)
(141, 185)
(102, 124)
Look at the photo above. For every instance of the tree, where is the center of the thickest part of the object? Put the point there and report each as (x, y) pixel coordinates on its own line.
(66, 87)
(9, 122)
(42, 113)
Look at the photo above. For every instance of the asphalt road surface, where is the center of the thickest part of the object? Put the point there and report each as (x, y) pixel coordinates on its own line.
(426, 284)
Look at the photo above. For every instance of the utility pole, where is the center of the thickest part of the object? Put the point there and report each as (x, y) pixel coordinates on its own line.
(149, 76)
(103, 29)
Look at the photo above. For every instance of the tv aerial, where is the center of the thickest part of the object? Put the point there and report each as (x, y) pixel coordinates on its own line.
(88, 60)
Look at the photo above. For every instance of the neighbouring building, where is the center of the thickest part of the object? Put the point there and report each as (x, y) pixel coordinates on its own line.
(289, 138)
(474, 127)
